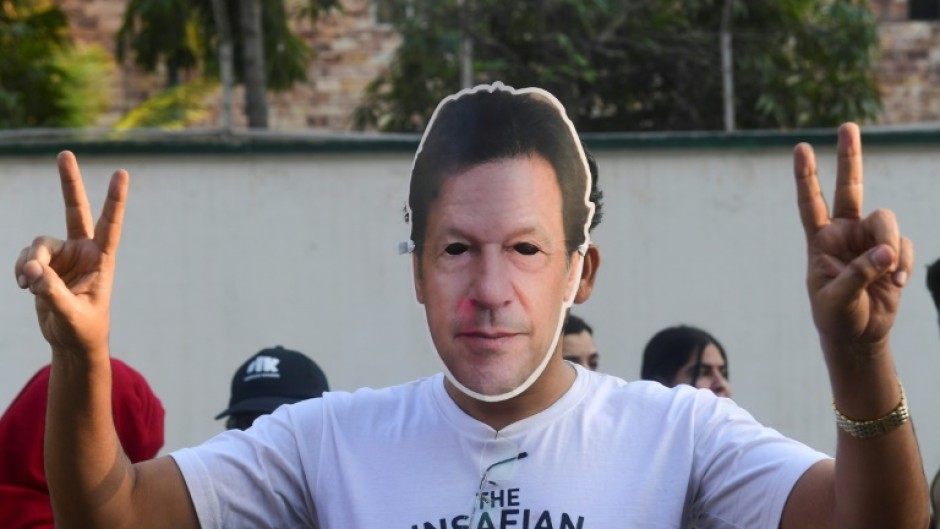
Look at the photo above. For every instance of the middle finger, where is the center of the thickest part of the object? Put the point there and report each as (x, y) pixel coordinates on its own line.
(849, 191)
(78, 220)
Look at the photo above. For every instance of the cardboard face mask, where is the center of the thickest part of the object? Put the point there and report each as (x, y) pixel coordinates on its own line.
(456, 153)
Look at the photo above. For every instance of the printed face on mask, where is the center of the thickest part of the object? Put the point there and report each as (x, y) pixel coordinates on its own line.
(494, 272)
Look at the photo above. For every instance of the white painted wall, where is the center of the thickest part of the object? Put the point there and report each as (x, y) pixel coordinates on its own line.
(225, 254)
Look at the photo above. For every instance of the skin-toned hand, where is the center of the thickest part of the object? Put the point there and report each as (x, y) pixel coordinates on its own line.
(91, 481)
(857, 266)
(855, 272)
(72, 279)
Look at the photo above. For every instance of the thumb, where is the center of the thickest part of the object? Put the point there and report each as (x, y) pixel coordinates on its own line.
(46, 284)
(863, 271)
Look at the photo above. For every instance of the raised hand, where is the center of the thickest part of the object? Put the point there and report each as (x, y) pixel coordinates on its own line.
(72, 279)
(857, 266)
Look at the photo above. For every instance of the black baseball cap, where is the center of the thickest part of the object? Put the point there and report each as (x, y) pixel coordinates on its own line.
(272, 377)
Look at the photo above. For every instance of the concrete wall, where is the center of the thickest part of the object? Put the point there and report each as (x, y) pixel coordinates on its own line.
(224, 254)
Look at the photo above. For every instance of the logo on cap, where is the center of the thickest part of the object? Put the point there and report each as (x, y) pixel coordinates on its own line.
(262, 367)
(272, 377)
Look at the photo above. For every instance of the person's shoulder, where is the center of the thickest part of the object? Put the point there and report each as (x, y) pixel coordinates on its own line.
(681, 397)
(651, 397)
(699, 409)
(410, 405)
(611, 386)
(368, 401)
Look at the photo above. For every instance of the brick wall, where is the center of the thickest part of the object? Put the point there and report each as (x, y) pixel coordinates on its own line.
(909, 68)
(350, 47)
(890, 9)
(909, 72)
(96, 22)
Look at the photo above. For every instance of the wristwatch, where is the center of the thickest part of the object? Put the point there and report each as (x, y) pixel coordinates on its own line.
(875, 427)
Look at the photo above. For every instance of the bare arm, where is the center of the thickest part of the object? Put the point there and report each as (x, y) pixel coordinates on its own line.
(91, 481)
(856, 270)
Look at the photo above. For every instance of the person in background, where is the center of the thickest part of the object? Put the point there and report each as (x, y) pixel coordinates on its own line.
(933, 285)
(270, 378)
(24, 496)
(686, 355)
(577, 343)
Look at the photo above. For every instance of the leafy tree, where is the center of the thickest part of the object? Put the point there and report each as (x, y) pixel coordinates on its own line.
(88, 73)
(168, 32)
(173, 109)
(44, 80)
(183, 35)
(821, 73)
(637, 64)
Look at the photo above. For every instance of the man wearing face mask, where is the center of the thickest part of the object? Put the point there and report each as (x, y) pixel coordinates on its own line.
(509, 435)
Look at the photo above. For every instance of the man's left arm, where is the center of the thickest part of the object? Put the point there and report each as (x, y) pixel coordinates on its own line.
(855, 272)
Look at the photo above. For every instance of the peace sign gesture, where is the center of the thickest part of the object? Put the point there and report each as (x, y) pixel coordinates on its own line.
(857, 266)
(72, 279)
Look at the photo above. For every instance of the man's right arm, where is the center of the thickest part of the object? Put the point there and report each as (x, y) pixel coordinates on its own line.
(91, 481)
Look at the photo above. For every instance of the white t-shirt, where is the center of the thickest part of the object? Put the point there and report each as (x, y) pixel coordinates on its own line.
(607, 454)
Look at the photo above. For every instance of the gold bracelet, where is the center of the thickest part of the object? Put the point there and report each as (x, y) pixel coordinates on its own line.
(876, 427)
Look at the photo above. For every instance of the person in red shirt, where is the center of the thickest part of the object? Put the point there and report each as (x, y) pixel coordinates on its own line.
(24, 495)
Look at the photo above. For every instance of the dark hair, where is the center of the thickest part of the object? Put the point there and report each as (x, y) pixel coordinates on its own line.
(669, 349)
(933, 282)
(575, 325)
(597, 196)
(492, 123)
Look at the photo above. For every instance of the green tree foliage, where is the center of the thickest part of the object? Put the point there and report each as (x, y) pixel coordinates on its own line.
(637, 64)
(44, 80)
(168, 32)
(88, 71)
(181, 35)
(174, 109)
(822, 73)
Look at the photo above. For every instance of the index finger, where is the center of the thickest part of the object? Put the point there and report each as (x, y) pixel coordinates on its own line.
(848, 200)
(78, 222)
(108, 228)
(813, 210)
